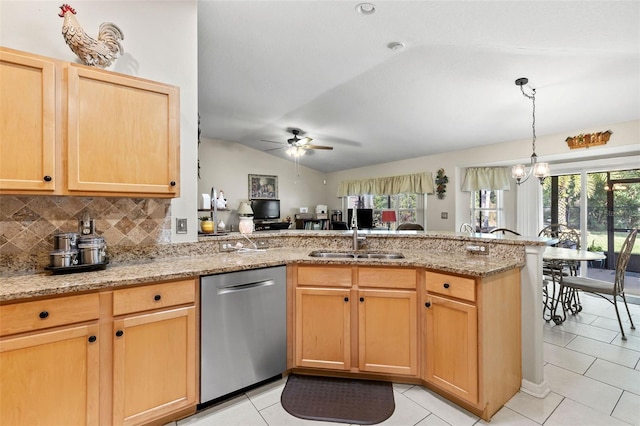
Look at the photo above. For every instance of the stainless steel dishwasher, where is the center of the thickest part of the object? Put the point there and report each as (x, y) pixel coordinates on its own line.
(243, 333)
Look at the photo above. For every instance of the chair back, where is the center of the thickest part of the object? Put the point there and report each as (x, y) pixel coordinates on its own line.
(410, 226)
(467, 227)
(503, 231)
(567, 237)
(623, 260)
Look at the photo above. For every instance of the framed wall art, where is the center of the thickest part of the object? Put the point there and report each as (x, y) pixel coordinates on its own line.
(263, 187)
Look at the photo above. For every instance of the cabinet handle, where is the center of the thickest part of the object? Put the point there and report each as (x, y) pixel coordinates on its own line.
(43, 314)
(119, 333)
(362, 299)
(346, 299)
(157, 297)
(47, 178)
(172, 183)
(427, 305)
(92, 339)
(446, 285)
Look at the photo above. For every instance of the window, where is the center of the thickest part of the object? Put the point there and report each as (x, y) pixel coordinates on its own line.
(405, 206)
(486, 209)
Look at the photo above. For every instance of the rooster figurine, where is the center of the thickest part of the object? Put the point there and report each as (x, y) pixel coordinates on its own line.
(98, 53)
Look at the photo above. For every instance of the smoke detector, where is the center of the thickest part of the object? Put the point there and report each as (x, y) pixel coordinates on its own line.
(366, 8)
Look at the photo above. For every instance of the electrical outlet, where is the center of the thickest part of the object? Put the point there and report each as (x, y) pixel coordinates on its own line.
(444, 215)
(262, 244)
(478, 249)
(226, 246)
(181, 225)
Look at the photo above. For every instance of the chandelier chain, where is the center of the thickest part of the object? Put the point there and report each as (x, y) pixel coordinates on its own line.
(533, 124)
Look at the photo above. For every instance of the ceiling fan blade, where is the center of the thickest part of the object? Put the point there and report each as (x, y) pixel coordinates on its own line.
(274, 149)
(317, 147)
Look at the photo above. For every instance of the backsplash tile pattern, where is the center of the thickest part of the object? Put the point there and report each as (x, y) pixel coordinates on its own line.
(28, 223)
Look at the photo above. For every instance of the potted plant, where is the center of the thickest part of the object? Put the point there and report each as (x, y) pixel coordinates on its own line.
(206, 224)
(595, 247)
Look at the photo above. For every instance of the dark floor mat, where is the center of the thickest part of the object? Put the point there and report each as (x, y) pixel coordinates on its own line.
(363, 402)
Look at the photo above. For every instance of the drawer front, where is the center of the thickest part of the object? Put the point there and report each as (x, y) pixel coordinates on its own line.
(451, 285)
(387, 277)
(326, 276)
(153, 296)
(40, 314)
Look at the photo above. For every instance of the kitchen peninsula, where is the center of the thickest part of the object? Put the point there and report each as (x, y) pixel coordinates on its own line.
(426, 254)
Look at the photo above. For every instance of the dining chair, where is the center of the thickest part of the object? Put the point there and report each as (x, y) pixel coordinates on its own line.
(409, 226)
(503, 231)
(553, 271)
(604, 288)
(467, 227)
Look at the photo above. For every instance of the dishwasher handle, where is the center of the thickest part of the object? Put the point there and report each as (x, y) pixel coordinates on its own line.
(246, 286)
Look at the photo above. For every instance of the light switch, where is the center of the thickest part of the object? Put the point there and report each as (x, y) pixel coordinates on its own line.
(181, 225)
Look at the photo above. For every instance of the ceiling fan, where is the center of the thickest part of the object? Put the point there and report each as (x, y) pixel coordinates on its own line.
(296, 146)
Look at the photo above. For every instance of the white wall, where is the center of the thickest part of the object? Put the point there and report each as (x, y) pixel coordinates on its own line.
(624, 142)
(226, 165)
(160, 43)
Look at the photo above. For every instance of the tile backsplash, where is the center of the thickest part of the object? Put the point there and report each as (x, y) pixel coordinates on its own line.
(28, 223)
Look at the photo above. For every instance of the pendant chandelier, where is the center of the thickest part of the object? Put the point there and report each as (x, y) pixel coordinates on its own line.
(539, 170)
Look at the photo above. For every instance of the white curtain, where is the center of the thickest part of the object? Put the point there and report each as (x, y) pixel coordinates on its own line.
(417, 183)
(487, 178)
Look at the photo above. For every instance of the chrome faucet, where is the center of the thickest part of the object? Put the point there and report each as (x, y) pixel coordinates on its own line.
(354, 227)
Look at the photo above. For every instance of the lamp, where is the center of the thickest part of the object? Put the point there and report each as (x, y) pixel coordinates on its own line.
(539, 170)
(245, 212)
(387, 217)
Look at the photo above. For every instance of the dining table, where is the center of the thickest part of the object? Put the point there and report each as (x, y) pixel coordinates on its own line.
(559, 262)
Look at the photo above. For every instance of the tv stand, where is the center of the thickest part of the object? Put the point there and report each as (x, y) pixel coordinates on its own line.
(268, 225)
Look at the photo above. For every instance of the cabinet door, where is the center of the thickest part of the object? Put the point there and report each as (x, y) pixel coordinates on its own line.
(452, 346)
(27, 123)
(387, 331)
(323, 337)
(123, 134)
(50, 378)
(154, 361)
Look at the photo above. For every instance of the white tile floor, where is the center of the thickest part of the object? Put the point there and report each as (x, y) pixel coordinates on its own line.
(594, 377)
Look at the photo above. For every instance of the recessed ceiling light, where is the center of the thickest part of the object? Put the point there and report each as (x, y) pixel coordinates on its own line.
(366, 8)
(395, 45)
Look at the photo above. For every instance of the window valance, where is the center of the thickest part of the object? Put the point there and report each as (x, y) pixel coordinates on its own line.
(417, 183)
(487, 178)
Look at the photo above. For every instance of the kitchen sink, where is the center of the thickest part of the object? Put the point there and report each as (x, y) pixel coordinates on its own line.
(355, 255)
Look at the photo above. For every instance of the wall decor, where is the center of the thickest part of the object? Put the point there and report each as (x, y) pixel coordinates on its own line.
(441, 182)
(589, 139)
(263, 187)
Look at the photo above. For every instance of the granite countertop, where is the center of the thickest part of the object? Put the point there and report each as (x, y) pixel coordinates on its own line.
(24, 286)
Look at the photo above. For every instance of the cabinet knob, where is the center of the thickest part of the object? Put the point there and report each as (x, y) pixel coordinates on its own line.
(119, 333)
(43, 314)
(346, 299)
(92, 339)
(446, 285)
(157, 297)
(172, 183)
(47, 178)
(362, 299)
(427, 305)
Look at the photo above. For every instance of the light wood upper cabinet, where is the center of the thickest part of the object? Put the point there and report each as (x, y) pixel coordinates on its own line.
(69, 129)
(27, 123)
(123, 134)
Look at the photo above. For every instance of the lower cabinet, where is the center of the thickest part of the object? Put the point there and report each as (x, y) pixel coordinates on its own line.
(60, 366)
(50, 361)
(342, 324)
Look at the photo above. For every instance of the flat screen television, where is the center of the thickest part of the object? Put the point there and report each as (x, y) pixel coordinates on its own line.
(265, 209)
(365, 218)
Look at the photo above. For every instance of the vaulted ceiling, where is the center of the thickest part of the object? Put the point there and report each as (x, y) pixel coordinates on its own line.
(320, 66)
